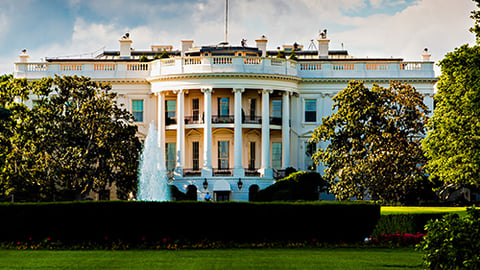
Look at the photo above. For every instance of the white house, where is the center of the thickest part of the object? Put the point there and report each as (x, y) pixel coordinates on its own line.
(230, 118)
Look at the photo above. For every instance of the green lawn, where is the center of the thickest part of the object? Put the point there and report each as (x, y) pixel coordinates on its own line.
(388, 210)
(323, 258)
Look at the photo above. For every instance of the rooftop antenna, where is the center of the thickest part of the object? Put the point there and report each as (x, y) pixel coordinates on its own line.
(226, 21)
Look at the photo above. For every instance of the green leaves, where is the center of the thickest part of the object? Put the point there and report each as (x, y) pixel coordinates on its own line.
(373, 141)
(452, 144)
(76, 140)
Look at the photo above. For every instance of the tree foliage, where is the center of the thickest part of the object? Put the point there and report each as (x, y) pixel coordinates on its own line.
(452, 144)
(73, 141)
(373, 141)
(453, 141)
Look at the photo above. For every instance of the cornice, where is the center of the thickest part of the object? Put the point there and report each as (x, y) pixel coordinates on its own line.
(368, 80)
(262, 76)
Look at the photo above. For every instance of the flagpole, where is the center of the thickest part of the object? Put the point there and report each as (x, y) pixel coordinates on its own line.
(226, 21)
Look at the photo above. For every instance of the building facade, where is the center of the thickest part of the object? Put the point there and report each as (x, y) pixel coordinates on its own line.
(231, 119)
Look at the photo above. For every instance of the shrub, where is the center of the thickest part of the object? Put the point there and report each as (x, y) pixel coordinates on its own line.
(187, 221)
(297, 186)
(409, 223)
(453, 242)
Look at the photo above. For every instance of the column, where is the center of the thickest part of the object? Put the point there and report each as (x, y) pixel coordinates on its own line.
(180, 132)
(207, 133)
(265, 169)
(286, 130)
(238, 170)
(161, 131)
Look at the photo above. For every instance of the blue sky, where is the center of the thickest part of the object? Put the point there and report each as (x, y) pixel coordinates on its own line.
(373, 28)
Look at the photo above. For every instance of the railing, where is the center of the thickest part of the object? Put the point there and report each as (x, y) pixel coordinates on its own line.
(252, 61)
(222, 172)
(275, 120)
(252, 172)
(170, 121)
(279, 174)
(196, 119)
(191, 172)
(137, 67)
(251, 119)
(310, 66)
(222, 60)
(223, 119)
(240, 64)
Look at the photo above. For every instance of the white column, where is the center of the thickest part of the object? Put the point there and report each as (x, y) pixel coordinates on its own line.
(265, 169)
(161, 132)
(207, 133)
(238, 170)
(180, 132)
(286, 130)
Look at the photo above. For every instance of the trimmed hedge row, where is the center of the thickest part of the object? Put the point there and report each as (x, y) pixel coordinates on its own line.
(192, 221)
(404, 223)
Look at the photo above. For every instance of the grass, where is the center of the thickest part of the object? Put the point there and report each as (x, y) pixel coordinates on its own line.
(390, 210)
(326, 258)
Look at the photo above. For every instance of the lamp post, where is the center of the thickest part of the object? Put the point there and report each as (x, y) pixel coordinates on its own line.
(240, 184)
(205, 184)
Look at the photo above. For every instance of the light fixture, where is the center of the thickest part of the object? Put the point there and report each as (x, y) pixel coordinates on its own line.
(205, 184)
(240, 183)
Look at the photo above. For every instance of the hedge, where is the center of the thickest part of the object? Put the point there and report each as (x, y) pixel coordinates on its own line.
(404, 223)
(192, 221)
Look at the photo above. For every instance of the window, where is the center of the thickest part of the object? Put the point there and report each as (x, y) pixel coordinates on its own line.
(277, 108)
(223, 106)
(170, 111)
(170, 156)
(251, 155)
(36, 102)
(253, 108)
(196, 155)
(223, 155)
(137, 110)
(277, 156)
(276, 112)
(310, 149)
(195, 110)
(310, 110)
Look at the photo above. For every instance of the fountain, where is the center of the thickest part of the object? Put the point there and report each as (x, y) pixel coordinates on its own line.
(152, 182)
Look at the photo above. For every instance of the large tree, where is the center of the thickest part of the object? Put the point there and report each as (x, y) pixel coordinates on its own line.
(373, 141)
(73, 141)
(452, 144)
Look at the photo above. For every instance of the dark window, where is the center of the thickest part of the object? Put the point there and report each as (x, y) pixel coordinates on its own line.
(196, 155)
(310, 110)
(195, 109)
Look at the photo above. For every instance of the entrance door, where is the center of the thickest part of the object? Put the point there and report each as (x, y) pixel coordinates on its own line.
(222, 196)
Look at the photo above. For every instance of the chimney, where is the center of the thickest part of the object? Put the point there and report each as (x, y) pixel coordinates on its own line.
(426, 56)
(186, 45)
(24, 56)
(262, 45)
(125, 45)
(323, 44)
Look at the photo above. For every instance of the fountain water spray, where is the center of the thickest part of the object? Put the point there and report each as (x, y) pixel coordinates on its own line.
(152, 182)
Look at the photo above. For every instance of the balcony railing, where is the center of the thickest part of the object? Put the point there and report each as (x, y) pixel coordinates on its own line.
(222, 172)
(192, 172)
(252, 172)
(279, 174)
(196, 119)
(275, 121)
(227, 119)
(251, 119)
(170, 121)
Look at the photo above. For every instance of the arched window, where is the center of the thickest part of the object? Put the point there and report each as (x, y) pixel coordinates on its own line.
(252, 192)
(191, 193)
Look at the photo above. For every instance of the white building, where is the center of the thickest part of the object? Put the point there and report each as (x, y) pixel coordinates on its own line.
(245, 114)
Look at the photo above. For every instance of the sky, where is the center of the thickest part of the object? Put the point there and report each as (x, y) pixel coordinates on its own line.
(366, 28)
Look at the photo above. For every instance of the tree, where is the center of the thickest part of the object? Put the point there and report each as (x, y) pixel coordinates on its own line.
(76, 140)
(452, 144)
(373, 141)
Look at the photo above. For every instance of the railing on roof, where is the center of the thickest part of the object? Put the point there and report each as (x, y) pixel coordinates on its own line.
(231, 64)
